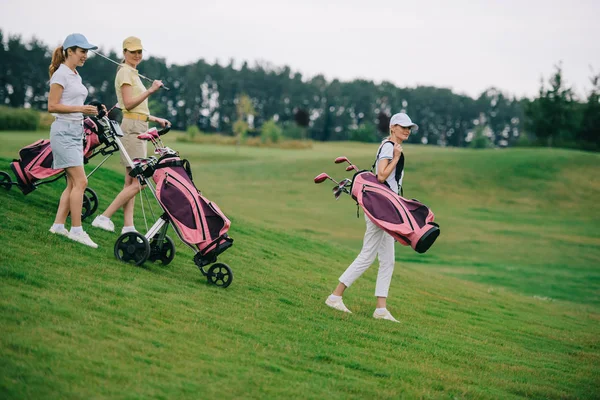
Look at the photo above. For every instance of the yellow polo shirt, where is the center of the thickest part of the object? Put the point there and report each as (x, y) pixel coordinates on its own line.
(127, 75)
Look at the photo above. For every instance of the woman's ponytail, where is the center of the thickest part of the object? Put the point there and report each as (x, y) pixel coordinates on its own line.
(58, 57)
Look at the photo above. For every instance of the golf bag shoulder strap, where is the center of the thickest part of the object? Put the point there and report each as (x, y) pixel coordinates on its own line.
(378, 153)
(399, 166)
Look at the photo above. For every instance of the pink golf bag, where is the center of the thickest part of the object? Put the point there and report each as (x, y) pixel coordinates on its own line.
(199, 221)
(407, 221)
(35, 162)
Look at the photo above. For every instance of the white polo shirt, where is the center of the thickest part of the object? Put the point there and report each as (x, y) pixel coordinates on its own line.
(74, 92)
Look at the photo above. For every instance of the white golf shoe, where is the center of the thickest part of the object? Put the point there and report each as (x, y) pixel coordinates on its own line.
(127, 229)
(59, 231)
(82, 237)
(103, 223)
(384, 315)
(338, 305)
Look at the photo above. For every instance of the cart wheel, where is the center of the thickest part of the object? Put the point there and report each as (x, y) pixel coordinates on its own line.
(93, 197)
(5, 180)
(132, 247)
(163, 252)
(86, 207)
(220, 274)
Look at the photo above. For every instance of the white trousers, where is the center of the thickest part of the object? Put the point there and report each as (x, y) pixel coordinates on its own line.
(376, 242)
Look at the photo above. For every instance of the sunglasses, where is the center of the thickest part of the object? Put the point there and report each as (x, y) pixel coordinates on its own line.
(135, 52)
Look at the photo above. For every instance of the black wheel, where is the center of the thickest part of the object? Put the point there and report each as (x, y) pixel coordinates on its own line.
(163, 252)
(86, 207)
(132, 247)
(220, 274)
(90, 194)
(5, 180)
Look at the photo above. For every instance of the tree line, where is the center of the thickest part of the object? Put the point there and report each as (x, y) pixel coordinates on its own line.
(230, 100)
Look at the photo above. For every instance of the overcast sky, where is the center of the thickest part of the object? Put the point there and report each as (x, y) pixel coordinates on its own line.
(465, 45)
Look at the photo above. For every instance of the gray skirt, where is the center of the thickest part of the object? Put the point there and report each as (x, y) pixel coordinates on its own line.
(66, 141)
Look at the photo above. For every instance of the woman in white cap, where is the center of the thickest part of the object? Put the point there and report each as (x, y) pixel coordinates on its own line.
(66, 103)
(132, 96)
(390, 170)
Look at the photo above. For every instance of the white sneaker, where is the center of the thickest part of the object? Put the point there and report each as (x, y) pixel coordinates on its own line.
(82, 237)
(384, 315)
(59, 231)
(103, 223)
(127, 229)
(337, 304)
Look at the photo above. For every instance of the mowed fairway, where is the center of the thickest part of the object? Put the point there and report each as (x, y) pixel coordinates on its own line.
(506, 304)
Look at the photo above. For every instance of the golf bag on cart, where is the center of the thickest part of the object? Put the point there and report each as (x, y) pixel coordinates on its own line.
(34, 166)
(198, 222)
(409, 222)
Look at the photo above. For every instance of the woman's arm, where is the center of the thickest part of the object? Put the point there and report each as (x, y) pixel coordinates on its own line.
(386, 166)
(161, 121)
(131, 102)
(54, 105)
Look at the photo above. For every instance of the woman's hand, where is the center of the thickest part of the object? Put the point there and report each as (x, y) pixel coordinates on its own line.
(397, 150)
(155, 86)
(163, 122)
(89, 110)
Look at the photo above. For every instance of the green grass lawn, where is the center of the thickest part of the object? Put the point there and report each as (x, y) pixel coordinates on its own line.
(506, 304)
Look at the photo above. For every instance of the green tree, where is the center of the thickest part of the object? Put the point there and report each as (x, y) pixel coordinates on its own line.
(245, 116)
(550, 116)
(589, 130)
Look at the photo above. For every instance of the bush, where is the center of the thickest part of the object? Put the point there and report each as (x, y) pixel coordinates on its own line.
(480, 140)
(293, 131)
(524, 141)
(18, 119)
(270, 132)
(364, 133)
(46, 120)
(193, 131)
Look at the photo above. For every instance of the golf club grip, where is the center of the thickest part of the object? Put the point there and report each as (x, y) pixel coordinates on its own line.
(164, 130)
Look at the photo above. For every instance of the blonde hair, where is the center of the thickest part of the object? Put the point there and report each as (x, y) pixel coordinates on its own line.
(58, 57)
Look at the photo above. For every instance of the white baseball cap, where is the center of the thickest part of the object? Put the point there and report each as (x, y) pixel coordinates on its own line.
(403, 120)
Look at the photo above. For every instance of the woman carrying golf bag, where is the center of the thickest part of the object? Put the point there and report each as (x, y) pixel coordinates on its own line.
(389, 167)
(66, 103)
(132, 96)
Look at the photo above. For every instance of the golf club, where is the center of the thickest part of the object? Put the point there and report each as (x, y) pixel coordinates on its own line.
(323, 177)
(351, 167)
(120, 65)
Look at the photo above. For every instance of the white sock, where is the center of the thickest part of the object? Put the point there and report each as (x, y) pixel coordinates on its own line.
(58, 227)
(128, 229)
(380, 310)
(76, 229)
(333, 297)
(103, 218)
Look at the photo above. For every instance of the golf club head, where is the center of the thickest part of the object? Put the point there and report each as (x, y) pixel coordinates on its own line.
(321, 178)
(340, 160)
(338, 193)
(351, 167)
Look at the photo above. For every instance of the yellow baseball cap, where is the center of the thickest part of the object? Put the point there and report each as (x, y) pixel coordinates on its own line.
(132, 43)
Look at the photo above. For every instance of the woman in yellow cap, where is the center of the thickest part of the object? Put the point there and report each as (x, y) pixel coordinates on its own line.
(133, 100)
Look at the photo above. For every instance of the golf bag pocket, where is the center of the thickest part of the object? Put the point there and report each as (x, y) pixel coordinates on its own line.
(35, 163)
